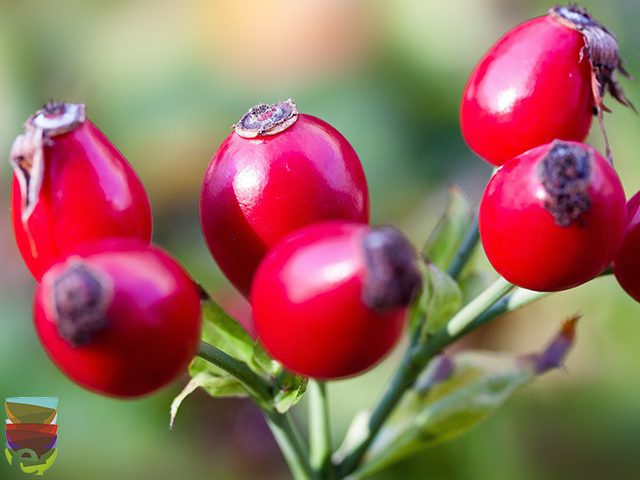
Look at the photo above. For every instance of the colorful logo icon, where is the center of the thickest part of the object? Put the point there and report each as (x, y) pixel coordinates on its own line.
(32, 433)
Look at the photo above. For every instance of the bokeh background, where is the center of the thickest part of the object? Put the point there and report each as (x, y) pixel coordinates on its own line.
(165, 79)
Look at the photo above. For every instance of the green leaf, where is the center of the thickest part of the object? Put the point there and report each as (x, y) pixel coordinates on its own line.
(455, 394)
(450, 230)
(438, 301)
(226, 333)
(214, 380)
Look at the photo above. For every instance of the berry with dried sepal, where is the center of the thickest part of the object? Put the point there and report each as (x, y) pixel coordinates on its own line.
(541, 81)
(71, 186)
(119, 317)
(279, 170)
(554, 217)
(331, 299)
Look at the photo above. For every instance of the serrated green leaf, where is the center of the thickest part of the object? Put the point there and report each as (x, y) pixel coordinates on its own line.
(438, 301)
(210, 378)
(450, 230)
(457, 393)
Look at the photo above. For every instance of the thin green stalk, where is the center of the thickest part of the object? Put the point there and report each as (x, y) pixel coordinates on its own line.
(414, 361)
(467, 247)
(284, 431)
(253, 382)
(293, 449)
(320, 429)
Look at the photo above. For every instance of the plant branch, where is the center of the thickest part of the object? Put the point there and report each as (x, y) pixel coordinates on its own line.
(467, 247)
(320, 429)
(292, 446)
(255, 384)
(414, 361)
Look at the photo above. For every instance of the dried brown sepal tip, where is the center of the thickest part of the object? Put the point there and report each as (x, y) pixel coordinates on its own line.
(27, 155)
(81, 297)
(267, 119)
(56, 118)
(553, 356)
(603, 53)
(565, 173)
(602, 50)
(392, 276)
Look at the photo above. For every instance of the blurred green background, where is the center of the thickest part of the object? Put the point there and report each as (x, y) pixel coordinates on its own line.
(165, 79)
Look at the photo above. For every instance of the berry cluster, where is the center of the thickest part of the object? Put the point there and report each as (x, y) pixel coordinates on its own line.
(107, 300)
(553, 215)
(284, 209)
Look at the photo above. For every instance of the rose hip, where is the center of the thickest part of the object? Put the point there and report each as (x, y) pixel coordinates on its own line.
(331, 299)
(277, 172)
(627, 261)
(541, 81)
(554, 217)
(119, 317)
(71, 186)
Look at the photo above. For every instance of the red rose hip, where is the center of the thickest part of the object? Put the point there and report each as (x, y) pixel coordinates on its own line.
(277, 172)
(541, 81)
(120, 318)
(71, 186)
(627, 262)
(554, 217)
(331, 299)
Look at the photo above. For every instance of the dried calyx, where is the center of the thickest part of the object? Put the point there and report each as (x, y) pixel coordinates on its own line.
(603, 53)
(81, 296)
(27, 155)
(56, 118)
(392, 277)
(602, 49)
(565, 173)
(267, 119)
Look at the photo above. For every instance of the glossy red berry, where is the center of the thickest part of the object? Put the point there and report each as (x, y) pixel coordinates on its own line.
(119, 317)
(541, 81)
(331, 299)
(277, 172)
(554, 217)
(71, 186)
(627, 262)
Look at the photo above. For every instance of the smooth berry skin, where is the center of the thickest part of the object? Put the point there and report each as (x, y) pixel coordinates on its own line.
(531, 87)
(308, 308)
(255, 191)
(626, 266)
(524, 243)
(89, 192)
(153, 319)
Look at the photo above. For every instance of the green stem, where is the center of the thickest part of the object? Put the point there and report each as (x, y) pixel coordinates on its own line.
(292, 446)
(285, 433)
(255, 384)
(467, 247)
(320, 429)
(414, 361)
